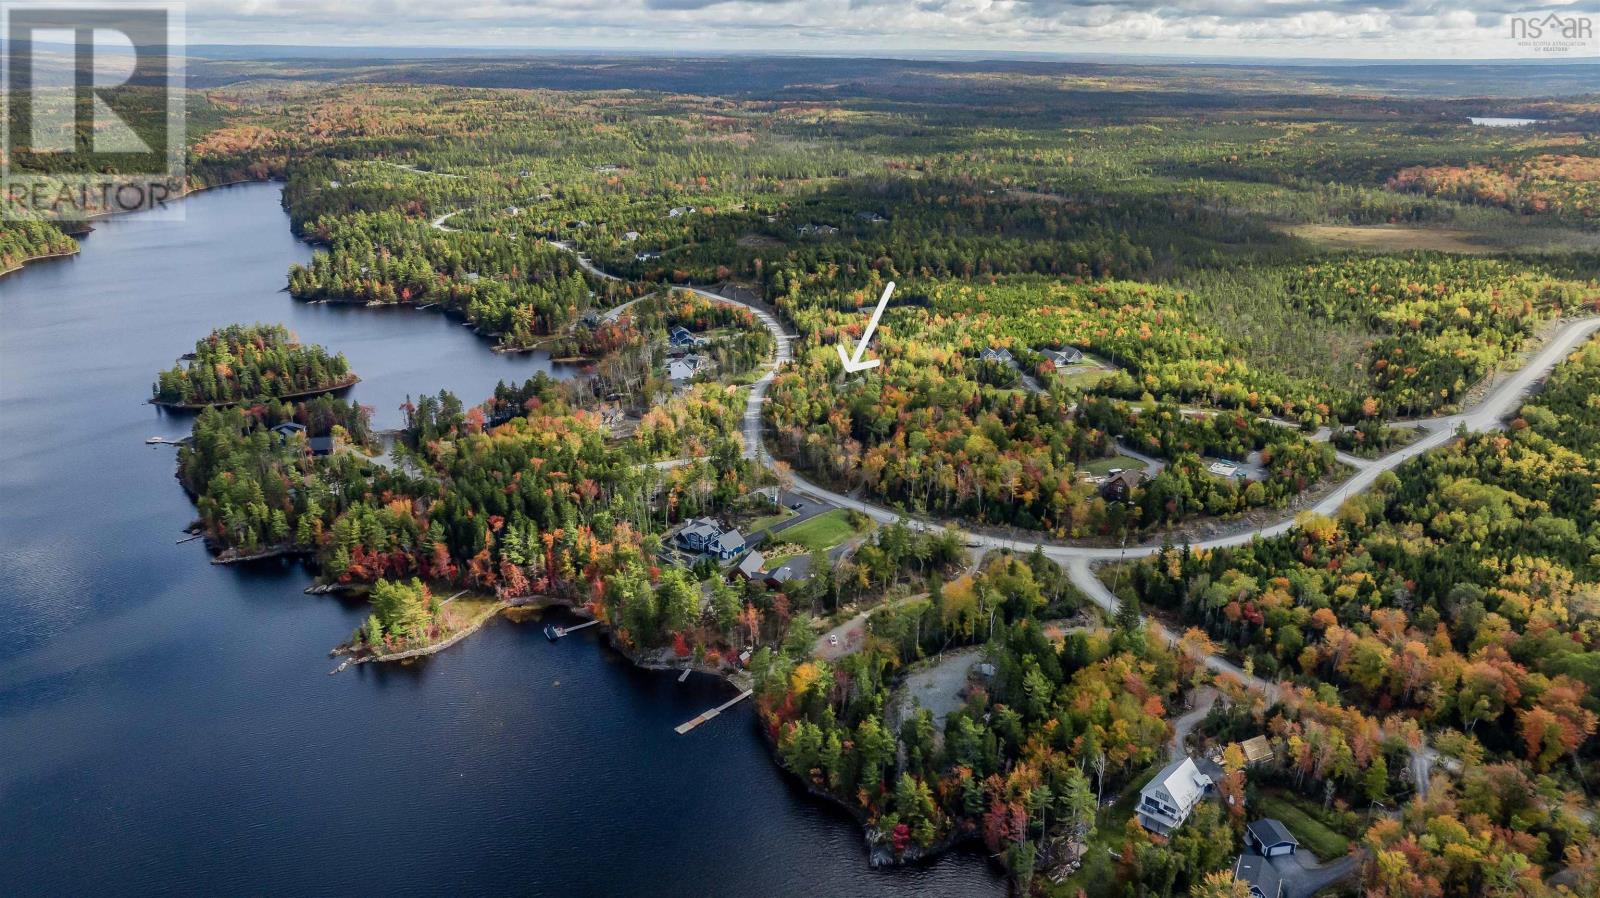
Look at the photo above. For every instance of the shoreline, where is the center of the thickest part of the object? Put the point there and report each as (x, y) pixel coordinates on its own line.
(426, 650)
(78, 248)
(64, 254)
(201, 406)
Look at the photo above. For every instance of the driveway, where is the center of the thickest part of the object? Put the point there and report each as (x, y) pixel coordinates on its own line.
(1204, 698)
(1304, 877)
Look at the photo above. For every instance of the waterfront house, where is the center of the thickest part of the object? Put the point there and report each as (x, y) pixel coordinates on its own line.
(1270, 838)
(1165, 801)
(1257, 872)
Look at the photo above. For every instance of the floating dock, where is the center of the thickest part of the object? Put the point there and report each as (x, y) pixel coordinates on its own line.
(686, 727)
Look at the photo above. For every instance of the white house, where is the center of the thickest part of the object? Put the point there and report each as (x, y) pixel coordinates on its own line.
(685, 368)
(1165, 801)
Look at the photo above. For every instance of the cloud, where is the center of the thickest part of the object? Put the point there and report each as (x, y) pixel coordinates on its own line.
(1451, 29)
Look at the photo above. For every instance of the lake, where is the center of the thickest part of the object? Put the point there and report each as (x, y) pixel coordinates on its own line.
(169, 726)
(1495, 122)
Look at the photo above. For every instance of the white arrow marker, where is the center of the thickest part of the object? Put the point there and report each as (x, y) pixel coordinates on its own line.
(852, 365)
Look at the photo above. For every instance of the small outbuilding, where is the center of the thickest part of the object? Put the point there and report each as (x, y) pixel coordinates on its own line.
(1270, 838)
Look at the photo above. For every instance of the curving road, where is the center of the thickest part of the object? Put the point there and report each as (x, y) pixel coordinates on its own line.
(1487, 414)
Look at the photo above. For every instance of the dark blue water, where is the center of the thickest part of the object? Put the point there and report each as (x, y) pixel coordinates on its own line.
(169, 727)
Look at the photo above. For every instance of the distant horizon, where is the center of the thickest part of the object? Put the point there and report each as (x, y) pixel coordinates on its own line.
(455, 51)
(1284, 31)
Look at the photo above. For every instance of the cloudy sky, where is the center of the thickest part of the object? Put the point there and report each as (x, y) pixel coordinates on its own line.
(1379, 29)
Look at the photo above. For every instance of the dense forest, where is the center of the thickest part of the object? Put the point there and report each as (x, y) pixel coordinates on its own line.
(250, 363)
(1452, 605)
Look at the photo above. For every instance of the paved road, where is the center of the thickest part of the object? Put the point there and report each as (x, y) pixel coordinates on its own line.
(1488, 414)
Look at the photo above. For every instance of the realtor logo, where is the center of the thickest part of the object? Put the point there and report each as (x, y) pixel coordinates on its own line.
(94, 109)
(1554, 33)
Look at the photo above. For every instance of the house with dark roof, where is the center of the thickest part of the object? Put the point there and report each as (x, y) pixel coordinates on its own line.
(697, 535)
(1066, 355)
(1270, 838)
(788, 572)
(289, 429)
(682, 338)
(1257, 872)
(1121, 484)
(993, 354)
(320, 445)
(1165, 801)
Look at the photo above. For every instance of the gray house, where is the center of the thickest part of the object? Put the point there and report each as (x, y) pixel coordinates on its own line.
(1165, 801)
(1003, 356)
(727, 544)
(1063, 356)
(706, 535)
(1256, 872)
(697, 535)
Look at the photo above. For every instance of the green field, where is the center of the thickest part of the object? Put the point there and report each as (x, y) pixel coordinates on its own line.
(1100, 467)
(771, 520)
(1313, 834)
(822, 532)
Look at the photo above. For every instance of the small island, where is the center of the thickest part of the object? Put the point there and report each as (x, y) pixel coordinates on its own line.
(247, 363)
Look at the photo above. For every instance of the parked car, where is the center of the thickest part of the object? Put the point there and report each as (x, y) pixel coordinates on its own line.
(833, 639)
(796, 506)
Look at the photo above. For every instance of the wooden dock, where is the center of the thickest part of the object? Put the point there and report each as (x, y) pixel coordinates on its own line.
(553, 633)
(686, 727)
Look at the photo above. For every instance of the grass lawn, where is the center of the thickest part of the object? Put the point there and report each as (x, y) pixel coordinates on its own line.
(1100, 467)
(762, 523)
(1322, 840)
(821, 532)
